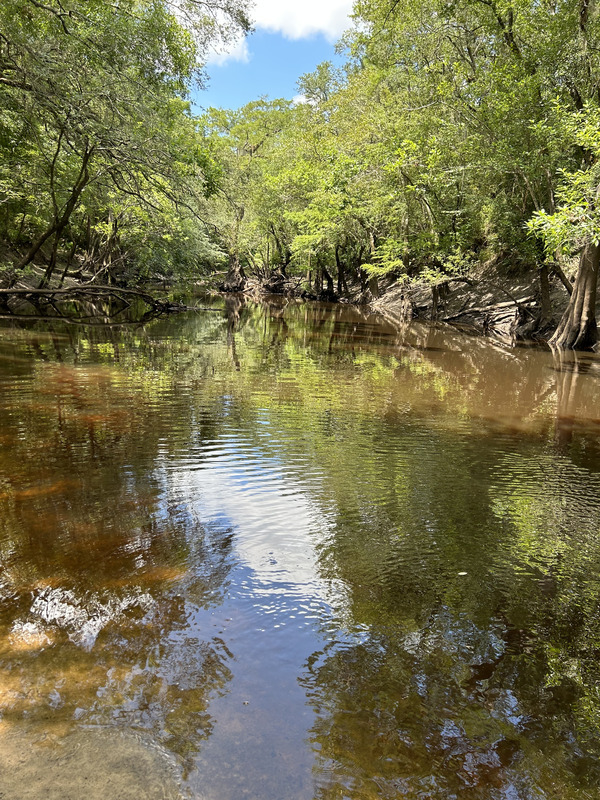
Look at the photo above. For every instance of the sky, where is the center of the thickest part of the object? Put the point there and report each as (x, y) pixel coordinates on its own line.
(291, 37)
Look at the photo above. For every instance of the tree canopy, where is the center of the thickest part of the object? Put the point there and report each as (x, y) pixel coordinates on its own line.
(456, 134)
(99, 151)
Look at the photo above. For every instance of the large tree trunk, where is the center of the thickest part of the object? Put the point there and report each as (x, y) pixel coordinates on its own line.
(235, 280)
(577, 329)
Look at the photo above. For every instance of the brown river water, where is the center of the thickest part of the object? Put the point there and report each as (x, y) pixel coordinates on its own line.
(292, 552)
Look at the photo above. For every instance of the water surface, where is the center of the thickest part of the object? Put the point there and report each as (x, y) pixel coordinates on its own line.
(292, 552)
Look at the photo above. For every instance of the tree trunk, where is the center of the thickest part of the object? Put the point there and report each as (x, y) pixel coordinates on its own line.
(59, 224)
(329, 279)
(235, 280)
(374, 286)
(435, 296)
(577, 329)
(70, 258)
(37, 246)
(340, 271)
(558, 271)
(318, 288)
(51, 264)
(545, 296)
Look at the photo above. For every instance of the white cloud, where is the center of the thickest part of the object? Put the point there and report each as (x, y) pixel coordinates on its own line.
(236, 52)
(297, 20)
(292, 19)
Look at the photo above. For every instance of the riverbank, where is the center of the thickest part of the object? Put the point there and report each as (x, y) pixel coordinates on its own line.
(491, 301)
(504, 305)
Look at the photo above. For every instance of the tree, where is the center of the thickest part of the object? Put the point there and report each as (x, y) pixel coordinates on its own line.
(242, 210)
(486, 62)
(94, 105)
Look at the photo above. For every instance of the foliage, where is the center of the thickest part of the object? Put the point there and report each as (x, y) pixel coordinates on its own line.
(577, 218)
(456, 133)
(95, 129)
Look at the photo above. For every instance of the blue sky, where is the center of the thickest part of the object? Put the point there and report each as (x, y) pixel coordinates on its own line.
(274, 65)
(290, 39)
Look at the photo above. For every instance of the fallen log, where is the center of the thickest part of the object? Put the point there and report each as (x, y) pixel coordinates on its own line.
(44, 299)
(92, 290)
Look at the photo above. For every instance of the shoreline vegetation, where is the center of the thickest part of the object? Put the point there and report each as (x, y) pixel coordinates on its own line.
(489, 302)
(448, 171)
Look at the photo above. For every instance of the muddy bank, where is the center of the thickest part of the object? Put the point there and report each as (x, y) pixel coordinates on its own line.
(506, 306)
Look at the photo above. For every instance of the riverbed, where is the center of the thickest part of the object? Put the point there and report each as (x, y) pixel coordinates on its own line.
(289, 551)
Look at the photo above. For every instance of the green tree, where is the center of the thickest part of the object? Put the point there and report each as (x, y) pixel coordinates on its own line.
(243, 210)
(574, 227)
(94, 113)
(496, 71)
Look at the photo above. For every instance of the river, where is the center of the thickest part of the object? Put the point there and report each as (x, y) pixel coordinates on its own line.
(292, 552)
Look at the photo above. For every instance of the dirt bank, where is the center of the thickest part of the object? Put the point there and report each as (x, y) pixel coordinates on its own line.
(506, 306)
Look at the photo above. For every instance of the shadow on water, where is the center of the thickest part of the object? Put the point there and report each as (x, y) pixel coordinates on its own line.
(291, 550)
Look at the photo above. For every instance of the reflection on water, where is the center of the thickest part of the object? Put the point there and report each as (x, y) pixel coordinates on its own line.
(290, 551)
